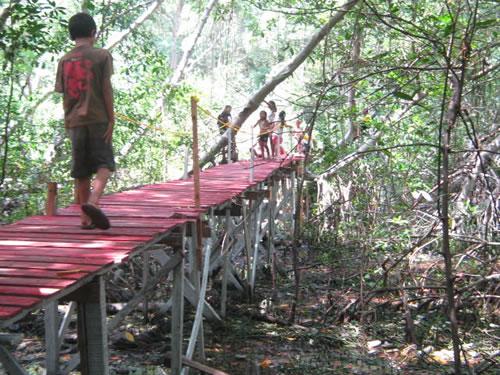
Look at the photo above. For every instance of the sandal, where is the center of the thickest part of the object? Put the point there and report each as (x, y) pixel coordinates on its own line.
(99, 219)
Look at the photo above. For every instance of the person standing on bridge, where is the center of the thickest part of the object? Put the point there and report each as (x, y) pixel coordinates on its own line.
(265, 128)
(224, 122)
(84, 78)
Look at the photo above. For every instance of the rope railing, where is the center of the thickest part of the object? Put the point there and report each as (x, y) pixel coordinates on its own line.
(237, 130)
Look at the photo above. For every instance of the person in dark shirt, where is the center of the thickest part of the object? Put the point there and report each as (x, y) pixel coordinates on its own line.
(84, 79)
(224, 123)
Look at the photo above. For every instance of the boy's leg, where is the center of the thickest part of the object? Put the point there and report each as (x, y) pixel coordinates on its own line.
(102, 163)
(100, 181)
(83, 191)
(80, 168)
(91, 207)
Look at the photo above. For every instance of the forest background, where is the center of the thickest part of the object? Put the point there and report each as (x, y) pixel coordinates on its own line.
(401, 98)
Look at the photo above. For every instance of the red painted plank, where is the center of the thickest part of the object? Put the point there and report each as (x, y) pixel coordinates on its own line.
(9, 311)
(74, 221)
(137, 212)
(53, 259)
(18, 301)
(87, 237)
(43, 283)
(27, 291)
(112, 245)
(109, 255)
(145, 233)
(47, 266)
(43, 274)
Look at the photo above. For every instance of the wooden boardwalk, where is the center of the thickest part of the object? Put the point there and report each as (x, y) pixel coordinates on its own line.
(45, 258)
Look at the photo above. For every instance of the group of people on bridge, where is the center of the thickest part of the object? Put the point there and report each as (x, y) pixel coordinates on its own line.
(270, 138)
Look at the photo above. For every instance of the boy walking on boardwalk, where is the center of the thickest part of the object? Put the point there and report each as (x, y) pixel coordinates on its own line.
(84, 79)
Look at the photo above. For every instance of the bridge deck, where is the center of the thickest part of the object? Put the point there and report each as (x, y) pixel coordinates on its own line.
(47, 257)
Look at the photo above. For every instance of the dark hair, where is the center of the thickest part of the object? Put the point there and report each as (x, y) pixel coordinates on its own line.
(272, 105)
(81, 25)
(282, 115)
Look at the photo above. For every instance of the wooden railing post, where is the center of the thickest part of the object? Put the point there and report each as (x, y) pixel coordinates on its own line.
(229, 145)
(51, 205)
(251, 155)
(196, 173)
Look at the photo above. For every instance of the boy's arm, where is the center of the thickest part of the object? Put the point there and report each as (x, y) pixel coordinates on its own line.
(107, 90)
(59, 86)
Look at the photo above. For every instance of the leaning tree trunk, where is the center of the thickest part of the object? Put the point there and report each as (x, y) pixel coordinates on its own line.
(176, 22)
(137, 23)
(176, 77)
(260, 95)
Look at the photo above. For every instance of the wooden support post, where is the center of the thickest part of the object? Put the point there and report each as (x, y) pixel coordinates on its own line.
(51, 339)
(92, 329)
(272, 233)
(225, 267)
(145, 281)
(177, 317)
(256, 247)
(211, 226)
(199, 231)
(271, 218)
(196, 172)
(51, 205)
(200, 306)
(248, 240)
(186, 163)
(194, 278)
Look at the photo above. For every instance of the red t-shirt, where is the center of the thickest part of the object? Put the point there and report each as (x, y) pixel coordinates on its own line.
(80, 76)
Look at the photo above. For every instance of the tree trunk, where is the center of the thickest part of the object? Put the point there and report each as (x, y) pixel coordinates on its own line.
(354, 129)
(453, 109)
(6, 14)
(176, 21)
(136, 24)
(260, 95)
(176, 77)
